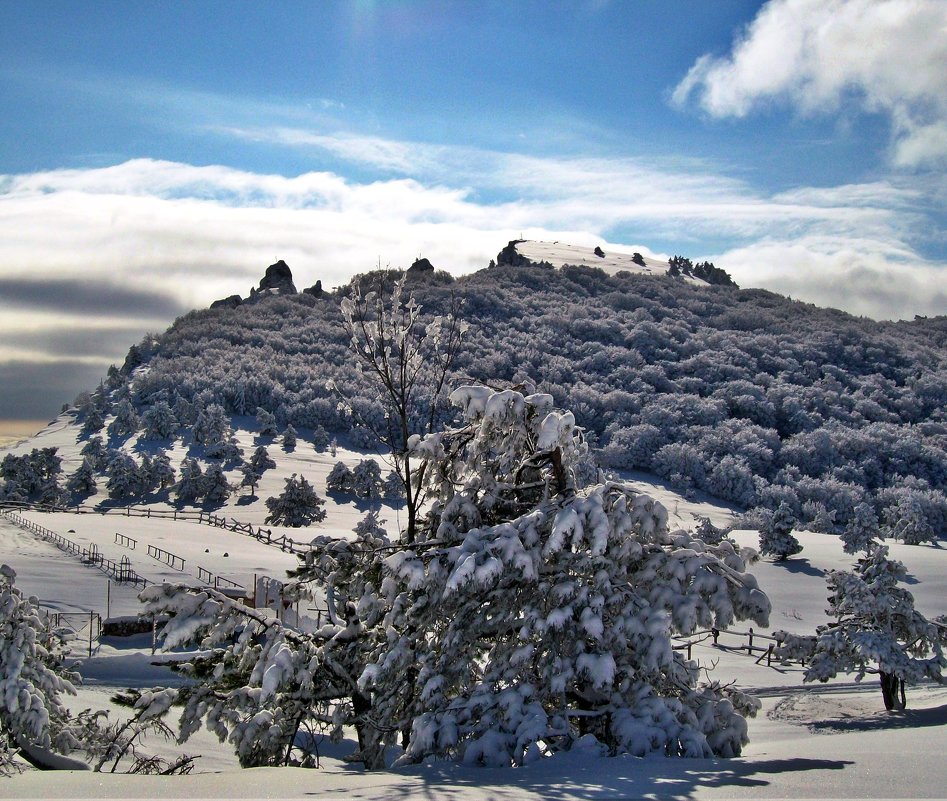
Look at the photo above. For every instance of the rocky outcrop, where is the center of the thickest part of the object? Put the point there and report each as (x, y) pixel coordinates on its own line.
(227, 303)
(278, 277)
(421, 266)
(509, 255)
(315, 290)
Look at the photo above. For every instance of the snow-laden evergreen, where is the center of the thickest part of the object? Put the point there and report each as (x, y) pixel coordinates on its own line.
(33, 678)
(297, 505)
(776, 537)
(876, 630)
(530, 611)
(862, 529)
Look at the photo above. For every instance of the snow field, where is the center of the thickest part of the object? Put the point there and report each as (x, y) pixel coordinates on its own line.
(831, 740)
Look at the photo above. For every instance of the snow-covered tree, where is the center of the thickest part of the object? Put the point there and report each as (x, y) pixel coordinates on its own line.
(260, 461)
(216, 487)
(289, 438)
(190, 486)
(339, 479)
(32, 476)
(82, 482)
(94, 451)
(94, 421)
(320, 439)
(251, 478)
(161, 473)
(707, 532)
(212, 425)
(124, 477)
(530, 611)
(776, 537)
(267, 422)
(392, 489)
(298, 505)
(226, 450)
(908, 523)
(158, 421)
(406, 362)
(126, 420)
(366, 479)
(861, 530)
(876, 629)
(33, 678)
(370, 526)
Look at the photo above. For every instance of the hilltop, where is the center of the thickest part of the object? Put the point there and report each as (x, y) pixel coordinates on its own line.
(740, 393)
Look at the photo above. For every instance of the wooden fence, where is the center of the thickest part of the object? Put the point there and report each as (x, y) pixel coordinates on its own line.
(258, 533)
(90, 555)
(751, 644)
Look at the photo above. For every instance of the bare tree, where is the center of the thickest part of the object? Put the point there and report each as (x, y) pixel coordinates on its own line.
(408, 361)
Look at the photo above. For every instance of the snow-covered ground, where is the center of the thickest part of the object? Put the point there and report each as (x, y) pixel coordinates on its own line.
(822, 741)
(559, 254)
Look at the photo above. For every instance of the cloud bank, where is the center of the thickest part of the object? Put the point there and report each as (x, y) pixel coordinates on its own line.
(882, 56)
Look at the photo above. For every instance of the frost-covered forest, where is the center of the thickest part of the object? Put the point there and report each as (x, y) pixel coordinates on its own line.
(745, 394)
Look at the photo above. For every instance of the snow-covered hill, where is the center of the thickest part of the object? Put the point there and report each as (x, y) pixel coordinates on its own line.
(560, 254)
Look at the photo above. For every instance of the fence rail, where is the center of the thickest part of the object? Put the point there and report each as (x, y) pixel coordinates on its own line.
(170, 559)
(218, 582)
(128, 542)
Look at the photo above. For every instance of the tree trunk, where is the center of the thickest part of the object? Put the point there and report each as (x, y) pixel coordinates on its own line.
(892, 690)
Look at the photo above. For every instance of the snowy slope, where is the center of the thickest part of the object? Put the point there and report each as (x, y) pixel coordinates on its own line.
(559, 254)
(819, 741)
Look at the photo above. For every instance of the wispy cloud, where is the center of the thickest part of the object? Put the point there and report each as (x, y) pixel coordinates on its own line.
(887, 56)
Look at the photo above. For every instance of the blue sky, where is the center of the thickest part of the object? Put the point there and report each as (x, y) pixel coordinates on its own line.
(155, 156)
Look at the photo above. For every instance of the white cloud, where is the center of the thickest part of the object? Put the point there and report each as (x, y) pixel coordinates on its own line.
(855, 275)
(888, 56)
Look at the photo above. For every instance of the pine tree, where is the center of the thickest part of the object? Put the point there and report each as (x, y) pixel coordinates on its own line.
(94, 451)
(212, 425)
(33, 677)
(94, 421)
(861, 530)
(776, 537)
(216, 487)
(339, 479)
(260, 461)
(876, 630)
(190, 486)
(289, 438)
(908, 523)
(366, 479)
(251, 478)
(124, 477)
(126, 420)
(161, 474)
(527, 611)
(82, 482)
(298, 505)
(158, 421)
(267, 422)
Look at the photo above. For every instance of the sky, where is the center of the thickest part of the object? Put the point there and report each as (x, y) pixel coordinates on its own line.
(157, 156)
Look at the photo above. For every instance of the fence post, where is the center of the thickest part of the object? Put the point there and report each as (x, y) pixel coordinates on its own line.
(749, 648)
(716, 634)
(91, 619)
